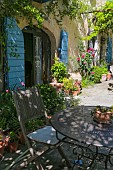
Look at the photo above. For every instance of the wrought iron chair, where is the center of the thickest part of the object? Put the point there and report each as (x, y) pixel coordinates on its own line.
(29, 106)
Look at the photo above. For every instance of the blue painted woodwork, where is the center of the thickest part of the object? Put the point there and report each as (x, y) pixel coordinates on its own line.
(14, 54)
(109, 50)
(64, 47)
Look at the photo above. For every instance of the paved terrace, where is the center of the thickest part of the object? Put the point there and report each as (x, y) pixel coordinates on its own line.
(94, 95)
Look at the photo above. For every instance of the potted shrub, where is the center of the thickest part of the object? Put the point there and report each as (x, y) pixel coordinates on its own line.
(13, 141)
(102, 114)
(58, 71)
(69, 86)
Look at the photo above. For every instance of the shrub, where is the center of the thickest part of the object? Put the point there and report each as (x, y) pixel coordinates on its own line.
(59, 71)
(69, 84)
(8, 115)
(86, 82)
(97, 74)
(53, 101)
(85, 62)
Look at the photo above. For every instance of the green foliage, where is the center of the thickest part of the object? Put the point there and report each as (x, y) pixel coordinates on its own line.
(53, 101)
(86, 82)
(34, 124)
(98, 71)
(71, 8)
(103, 20)
(59, 71)
(13, 136)
(20, 8)
(8, 115)
(69, 84)
(85, 62)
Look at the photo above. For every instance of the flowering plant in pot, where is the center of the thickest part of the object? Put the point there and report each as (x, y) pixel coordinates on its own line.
(70, 86)
(102, 114)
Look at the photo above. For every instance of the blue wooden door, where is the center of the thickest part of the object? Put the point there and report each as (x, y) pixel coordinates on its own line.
(14, 60)
(64, 47)
(109, 50)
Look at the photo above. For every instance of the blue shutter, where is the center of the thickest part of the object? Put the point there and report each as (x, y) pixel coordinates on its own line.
(14, 54)
(109, 50)
(64, 47)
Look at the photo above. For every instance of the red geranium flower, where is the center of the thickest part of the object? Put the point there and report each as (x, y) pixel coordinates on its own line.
(78, 59)
(83, 55)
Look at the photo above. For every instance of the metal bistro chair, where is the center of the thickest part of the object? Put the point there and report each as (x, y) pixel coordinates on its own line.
(29, 105)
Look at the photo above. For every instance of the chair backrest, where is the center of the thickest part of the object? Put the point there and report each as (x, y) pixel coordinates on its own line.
(29, 105)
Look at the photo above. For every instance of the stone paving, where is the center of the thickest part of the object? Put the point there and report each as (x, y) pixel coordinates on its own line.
(97, 95)
(94, 95)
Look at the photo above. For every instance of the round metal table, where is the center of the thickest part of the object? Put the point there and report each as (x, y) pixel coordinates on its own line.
(77, 124)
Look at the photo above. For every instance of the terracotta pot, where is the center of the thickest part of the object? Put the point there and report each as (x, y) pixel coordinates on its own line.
(2, 146)
(75, 93)
(13, 146)
(104, 77)
(109, 76)
(102, 117)
(67, 91)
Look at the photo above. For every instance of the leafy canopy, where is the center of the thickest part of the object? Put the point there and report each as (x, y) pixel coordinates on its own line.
(26, 8)
(20, 8)
(103, 19)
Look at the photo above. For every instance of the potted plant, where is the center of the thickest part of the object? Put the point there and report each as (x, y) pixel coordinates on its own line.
(3, 142)
(70, 87)
(102, 114)
(13, 141)
(109, 75)
(2, 145)
(58, 71)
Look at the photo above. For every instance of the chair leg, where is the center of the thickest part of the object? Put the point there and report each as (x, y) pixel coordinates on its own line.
(64, 156)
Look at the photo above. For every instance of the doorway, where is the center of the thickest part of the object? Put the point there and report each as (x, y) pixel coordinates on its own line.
(37, 47)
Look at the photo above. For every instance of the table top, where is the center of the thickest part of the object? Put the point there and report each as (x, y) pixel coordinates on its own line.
(77, 123)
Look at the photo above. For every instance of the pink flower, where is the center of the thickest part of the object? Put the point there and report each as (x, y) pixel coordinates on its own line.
(92, 72)
(83, 56)
(22, 83)
(78, 59)
(93, 54)
(84, 62)
(7, 91)
(88, 51)
(91, 49)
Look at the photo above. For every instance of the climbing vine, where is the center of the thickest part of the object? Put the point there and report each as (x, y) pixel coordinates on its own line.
(20, 8)
(103, 20)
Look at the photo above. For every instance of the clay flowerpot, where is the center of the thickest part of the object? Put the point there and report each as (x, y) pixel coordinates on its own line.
(2, 146)
(109, 76)
(104, 77)
(75, 93)
(102, 117)
(13, 146)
